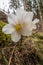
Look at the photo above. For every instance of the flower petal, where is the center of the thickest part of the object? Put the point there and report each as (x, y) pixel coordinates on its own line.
(12, 19)
(26, 31)
(35, 21)
(15, 36)
(33, 26)
(24, 16)
(28, 17)
(8, 29)
(20, 13)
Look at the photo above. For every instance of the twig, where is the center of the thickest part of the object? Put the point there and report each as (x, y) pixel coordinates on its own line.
(3, 11)
(8, 47)
(11, 56)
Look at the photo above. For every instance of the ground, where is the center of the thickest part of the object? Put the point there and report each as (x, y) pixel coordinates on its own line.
(28, 51)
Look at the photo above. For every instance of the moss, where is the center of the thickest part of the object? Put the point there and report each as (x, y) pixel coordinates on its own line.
(4, 39)
(38, 35)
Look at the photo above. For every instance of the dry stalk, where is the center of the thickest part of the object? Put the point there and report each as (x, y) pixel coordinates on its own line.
(8, 47)
(11, 56)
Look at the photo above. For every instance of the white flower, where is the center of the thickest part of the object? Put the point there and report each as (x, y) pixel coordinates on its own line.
(20, 24)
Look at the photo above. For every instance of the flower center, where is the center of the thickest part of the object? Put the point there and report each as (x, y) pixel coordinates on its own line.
(18, 27)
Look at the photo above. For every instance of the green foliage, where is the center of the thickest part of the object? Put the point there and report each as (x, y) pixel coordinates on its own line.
(4, 39)
(5, 62)
(38, 45)
(38, 36)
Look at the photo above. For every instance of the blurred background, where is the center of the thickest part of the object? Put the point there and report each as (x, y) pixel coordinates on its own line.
(30, 5)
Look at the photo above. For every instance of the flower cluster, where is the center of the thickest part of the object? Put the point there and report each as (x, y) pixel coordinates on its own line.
(20, 24)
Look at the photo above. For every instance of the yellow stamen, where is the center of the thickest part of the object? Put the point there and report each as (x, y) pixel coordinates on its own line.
(18, 27)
